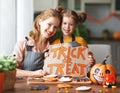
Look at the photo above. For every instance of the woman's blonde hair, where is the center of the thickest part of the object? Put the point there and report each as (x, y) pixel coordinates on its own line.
(45, 14)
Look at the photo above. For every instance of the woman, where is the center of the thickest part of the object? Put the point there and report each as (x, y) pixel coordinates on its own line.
(30, 52)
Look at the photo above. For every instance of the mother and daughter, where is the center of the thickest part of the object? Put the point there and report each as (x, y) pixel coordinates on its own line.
(31, 52)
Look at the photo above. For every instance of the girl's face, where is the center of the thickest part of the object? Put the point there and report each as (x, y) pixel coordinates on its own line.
(49, 26)
(68, 26)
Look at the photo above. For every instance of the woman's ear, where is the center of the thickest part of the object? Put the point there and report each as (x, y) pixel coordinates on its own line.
(40, 22)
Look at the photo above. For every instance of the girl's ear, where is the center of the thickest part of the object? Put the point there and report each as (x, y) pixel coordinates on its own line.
(76, 25)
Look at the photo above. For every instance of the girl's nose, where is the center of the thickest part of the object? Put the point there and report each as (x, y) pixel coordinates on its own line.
(67, 26)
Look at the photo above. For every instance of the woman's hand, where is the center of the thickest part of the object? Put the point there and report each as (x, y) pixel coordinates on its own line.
(40, 73)
(46, 53)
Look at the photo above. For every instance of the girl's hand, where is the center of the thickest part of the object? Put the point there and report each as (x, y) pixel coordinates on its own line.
(91, 59)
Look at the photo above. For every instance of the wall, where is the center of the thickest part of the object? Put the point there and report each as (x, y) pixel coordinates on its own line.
(100, 11)
(43, 4)
(24, 18)
(7, 26)
(16, 19)
(12, 30)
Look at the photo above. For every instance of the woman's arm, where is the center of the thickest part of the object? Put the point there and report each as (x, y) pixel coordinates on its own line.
(19, 53)
(27, 73)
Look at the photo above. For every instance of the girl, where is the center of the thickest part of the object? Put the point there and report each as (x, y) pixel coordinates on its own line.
(70, 21)
(30, 52)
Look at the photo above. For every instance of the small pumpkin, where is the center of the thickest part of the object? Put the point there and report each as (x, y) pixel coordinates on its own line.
(116, 35)
(99, 70)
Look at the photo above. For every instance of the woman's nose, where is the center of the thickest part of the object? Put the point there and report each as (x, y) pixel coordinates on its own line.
(51, 29)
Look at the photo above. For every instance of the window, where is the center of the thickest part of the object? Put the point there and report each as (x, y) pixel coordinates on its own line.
(77, 5)
(116, 6)
(63, 3)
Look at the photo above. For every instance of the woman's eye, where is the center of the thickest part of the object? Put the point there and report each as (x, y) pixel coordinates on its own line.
(49, 24)
(55, 27)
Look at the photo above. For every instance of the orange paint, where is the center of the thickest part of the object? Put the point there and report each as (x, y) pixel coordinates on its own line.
(82, 68)
(60, 69)
(62, 52)
(80, 53)
(75, 68)
(68, 60)
(72, 53)
(68, 68)
(54, 50)
(51, 67)
(68, 53)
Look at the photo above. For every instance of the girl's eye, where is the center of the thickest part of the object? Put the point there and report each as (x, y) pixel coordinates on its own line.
(71, 24)
(64, 23)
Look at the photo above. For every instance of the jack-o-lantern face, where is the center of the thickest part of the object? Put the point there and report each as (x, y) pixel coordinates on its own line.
(99, 70)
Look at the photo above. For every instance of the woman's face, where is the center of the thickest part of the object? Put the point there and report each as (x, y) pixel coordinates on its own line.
(68, 26)
(49, 26)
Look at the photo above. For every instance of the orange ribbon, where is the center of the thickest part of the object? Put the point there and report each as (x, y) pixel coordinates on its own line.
(91, 18)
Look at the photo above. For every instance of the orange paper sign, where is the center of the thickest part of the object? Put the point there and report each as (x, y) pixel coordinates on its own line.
(65, 60)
